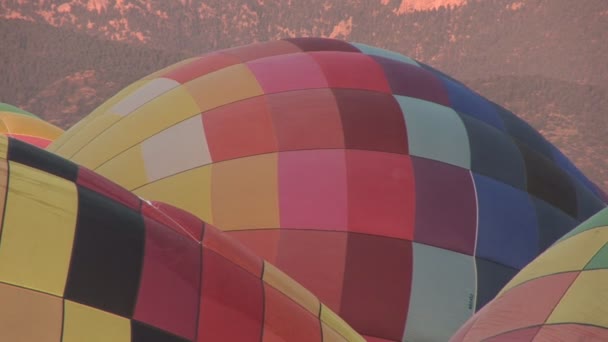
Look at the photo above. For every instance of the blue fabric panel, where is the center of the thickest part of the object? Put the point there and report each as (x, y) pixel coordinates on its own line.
(547, 181)
(466, 101)
(562, 161)
(494, 154)
(491, 278)
(507, 230)
(522, 131)
(587, 203)
(552, 223)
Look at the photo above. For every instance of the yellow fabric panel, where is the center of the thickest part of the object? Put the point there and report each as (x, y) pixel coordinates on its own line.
(3, 189)
(38, 230)
(224, 86)
(85, 135)
(190, 190)
(127, 169)
(29, 315)
(79, 128)
(164, 71)
(244, 192)
(162, 112)
(84, 323)
(292, 289)
(569, 255)
(29, 126)
(586, 301)
(333, 321)
(3, 147)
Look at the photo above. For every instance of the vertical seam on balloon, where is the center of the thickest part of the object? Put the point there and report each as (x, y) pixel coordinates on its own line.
(263, 301)
(320, 321)
(62, 318)
(200, 284)
(474, 256)
(8, 174)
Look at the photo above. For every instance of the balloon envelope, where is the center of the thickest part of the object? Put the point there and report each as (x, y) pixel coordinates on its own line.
(559, 296)
(401, 198)
(82, 259)
(25, 126)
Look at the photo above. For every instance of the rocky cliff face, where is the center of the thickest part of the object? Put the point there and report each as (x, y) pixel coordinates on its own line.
(543, 59)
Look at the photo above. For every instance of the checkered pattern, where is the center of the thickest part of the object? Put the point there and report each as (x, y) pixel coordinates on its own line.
(559, 296)
(82, 259)
(25, 126)
(401, 198)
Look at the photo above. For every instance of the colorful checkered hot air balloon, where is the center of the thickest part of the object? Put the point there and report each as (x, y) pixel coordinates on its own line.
(398, 196)
(82, 259)
(560, 296)
(25, 126)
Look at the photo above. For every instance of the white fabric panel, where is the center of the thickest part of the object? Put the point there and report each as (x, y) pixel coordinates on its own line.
(143, 95)
(443, 293)
(176, 149)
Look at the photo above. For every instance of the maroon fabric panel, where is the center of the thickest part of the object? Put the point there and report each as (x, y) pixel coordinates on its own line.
(170, 282)
(413, 81)
(377, 285)
(446, 208)
(232, 302)
(372, 121)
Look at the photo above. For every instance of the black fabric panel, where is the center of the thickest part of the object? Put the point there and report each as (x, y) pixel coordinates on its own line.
(588, 203)
(107, 256)
(548, 182)
(491, 278)
(26, 154)
(552, 223)
(141, 332)
(493, 154)
(524, 133)
(322, 44)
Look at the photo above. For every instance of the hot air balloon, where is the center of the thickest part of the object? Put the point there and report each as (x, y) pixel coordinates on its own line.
(398, 196)
(82, 259)
(560, 296)
(25, 126)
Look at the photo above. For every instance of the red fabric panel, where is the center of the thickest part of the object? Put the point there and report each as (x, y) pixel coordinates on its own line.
(522, 335)
(228, 247)
(380, 194)
(178, 218)
(262, 242)
(170, 282)
(287, 72)
(372, 121)
(251, 52)
(97, 183)
(284, 320)
(306, 119)
(232, 304)
(36, 141)
(243, 128)
(201, 66)
(352, 70)
(316, 260)
(377, 285)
